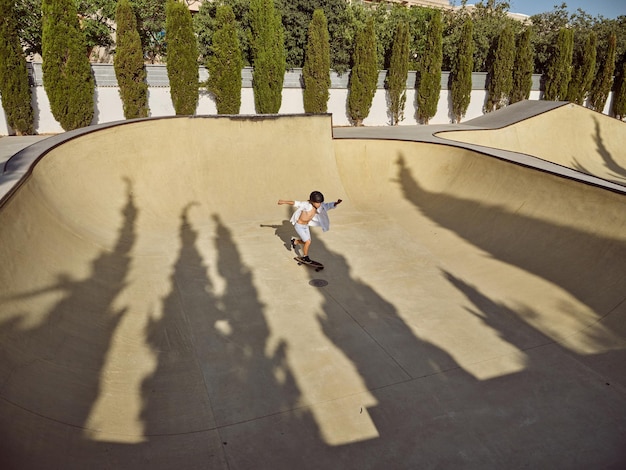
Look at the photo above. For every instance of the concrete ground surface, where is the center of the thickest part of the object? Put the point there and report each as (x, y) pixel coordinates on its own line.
(472, 312)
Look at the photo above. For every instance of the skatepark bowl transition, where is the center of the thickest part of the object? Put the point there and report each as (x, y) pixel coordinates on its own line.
(471, 314)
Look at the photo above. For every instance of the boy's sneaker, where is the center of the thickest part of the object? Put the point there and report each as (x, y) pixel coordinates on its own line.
(307, 259)
(293, 243)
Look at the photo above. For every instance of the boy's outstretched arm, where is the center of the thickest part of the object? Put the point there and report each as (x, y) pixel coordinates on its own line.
(283, 201)
(337, 202)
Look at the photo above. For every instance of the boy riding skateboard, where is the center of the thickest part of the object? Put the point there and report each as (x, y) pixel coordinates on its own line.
(311, 213)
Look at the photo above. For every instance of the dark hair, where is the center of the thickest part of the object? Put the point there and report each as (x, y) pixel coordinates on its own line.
(316, 196)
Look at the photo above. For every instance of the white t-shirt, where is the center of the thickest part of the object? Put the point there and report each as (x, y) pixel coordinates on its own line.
(320, 219)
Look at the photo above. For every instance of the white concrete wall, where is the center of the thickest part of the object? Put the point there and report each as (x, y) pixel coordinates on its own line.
(108, 106)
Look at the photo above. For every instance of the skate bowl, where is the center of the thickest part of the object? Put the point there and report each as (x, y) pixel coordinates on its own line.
(472, 313)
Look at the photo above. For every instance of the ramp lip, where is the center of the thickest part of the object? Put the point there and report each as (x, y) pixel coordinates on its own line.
(18, 167)
(433, 134)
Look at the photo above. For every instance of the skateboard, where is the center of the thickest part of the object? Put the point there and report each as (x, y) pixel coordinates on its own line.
(313, 264)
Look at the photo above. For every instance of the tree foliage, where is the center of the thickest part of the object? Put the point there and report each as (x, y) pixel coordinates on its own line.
(67, 75)
(95, 21)
(225, 63)
(461, 73)
(546, 27)
(128, 63)
(151, 18)
(489, 19)
(96, 17)
(269, 56)
(398, 73)
(316, 71)
(14, 85)
(364, 74)
(619, 100)
(500, 78)
(603, 80)
(559, 72)
(429, 70)
(28, 14)
(583, 68)
(523, 68)
(182, 54)
(296, 17)
(205, 26)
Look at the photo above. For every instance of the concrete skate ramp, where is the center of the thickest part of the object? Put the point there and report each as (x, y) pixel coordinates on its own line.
(471, 314)
(569, 135)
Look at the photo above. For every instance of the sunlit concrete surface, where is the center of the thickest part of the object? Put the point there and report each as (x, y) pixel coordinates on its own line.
(152, 316)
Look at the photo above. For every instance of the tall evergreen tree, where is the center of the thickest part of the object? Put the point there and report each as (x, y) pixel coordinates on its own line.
(225, 63)
(67, 76)
(398, 72)
(559, 71)
(364, 74)
(523, 69)
(429, 70)
(128, 63)
(584, 66)
(461, 73)
(619, 100)
(269, 56)
(316, 71)
(500, 80)
(603, 80)
(14, 85)
(182, 57)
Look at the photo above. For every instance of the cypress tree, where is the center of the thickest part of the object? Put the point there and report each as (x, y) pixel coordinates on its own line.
(316, 71)
(523, 69)
(268, 45)
(559, 71)
(14, 85)
(582, 72)
(67, 76)
(429, 70)
(461, 73)
(500, 81)
(398, 72)
(225, 63)
(128, 63)
(364, 74)
(182, 57)
(619, 100)
(604, 77)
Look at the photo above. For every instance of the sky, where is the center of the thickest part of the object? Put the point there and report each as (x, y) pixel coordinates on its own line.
(608, 8)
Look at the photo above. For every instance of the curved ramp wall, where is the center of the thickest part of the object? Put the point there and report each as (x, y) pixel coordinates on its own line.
(553, 227)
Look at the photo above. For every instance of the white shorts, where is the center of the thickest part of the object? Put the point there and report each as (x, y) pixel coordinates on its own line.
(303, 231)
